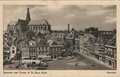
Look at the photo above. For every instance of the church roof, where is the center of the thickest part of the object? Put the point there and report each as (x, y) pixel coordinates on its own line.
(20, 21)
(38, 22)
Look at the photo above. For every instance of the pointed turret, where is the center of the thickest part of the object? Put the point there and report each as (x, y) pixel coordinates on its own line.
(28, 15)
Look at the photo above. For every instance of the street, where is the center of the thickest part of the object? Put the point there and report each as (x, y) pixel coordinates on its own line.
(74, 63)
(83, 64)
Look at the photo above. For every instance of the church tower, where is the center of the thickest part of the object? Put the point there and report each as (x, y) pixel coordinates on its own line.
(28, 15)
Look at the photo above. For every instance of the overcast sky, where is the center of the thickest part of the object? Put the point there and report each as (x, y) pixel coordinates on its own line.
(78, 16)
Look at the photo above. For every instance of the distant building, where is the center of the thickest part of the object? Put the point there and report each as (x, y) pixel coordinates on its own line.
(92, 30)
(106, 35)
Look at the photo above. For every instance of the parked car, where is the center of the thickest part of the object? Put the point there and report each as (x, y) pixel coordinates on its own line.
(43, 64)
(32, 65)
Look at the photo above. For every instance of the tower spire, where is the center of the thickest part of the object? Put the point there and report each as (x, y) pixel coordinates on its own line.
(28, 15)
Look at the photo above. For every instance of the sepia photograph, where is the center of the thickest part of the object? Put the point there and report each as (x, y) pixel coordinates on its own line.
(59, 37)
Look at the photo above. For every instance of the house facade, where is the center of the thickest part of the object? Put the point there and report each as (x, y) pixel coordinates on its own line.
(13, 51)
(110, 53)
(55, 50)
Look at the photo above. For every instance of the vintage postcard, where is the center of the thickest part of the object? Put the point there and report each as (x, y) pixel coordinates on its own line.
(60, 38)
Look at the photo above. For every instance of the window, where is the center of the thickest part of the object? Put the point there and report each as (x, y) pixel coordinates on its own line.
(13, 51)
(52, 49)
(39, 28)
(45, 27)
(33, 27)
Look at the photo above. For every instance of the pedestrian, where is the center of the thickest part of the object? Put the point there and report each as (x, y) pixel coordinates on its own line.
(76, 64)
(92, 65)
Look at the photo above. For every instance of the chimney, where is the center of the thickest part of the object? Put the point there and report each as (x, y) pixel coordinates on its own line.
(68, 27)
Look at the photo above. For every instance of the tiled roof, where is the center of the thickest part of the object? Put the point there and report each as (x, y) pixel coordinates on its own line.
(54, 43)
(6, 45)
(21, 21)
(70, 36)
(38, 22)
(43, 43)
(112, 42)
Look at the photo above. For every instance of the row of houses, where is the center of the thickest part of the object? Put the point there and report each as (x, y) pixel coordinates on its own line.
(105, 53)
(35, 50)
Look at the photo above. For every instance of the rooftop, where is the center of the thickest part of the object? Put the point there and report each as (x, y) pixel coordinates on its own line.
(112, 42)
(38, 22)
(13, 23)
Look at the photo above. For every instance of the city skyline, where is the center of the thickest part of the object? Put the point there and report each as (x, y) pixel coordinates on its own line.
(78, 16)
